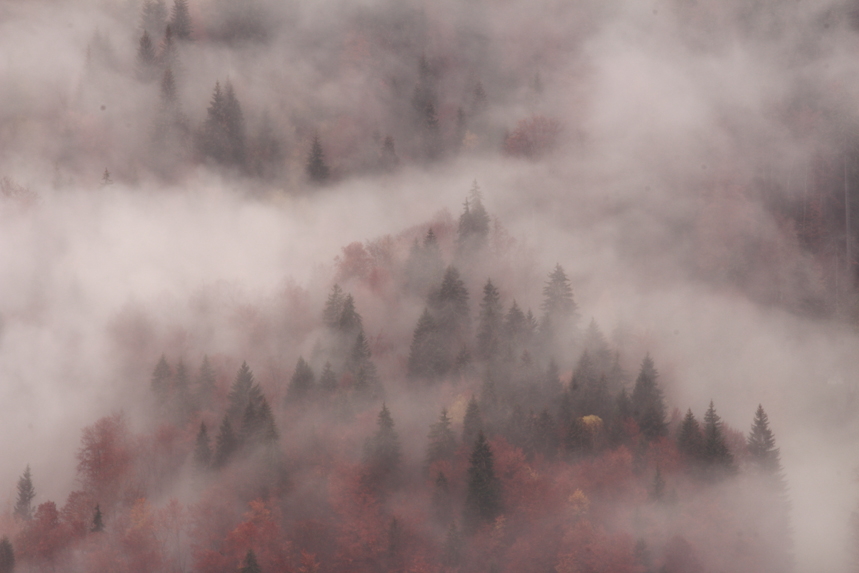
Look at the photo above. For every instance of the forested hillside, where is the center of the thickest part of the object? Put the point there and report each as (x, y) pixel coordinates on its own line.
(428, 286)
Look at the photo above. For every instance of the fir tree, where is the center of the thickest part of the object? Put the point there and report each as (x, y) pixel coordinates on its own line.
(763, 454)
(317, 168)
(202, 449)
(7, 556)
(97, 521)
(449, 307)
(648, 406)
(180, 20)
(213, 142)
(427, 356)
(153, 17)
(558, 304)
(472, 424)
(302, 382)
(26, 493)
(250, 564)
(715, 453)
(515, 328)
(473, 227)
(544, 435)
(483, 498)
(442, 441)
(226, 444)
(382, 452)
(490, 323)
(334, 307)
(243, 390)
(205, 382)
(442, 502)
(690, 441)
(328, 380)
(147, 59)
(350, 322)
(235, 126)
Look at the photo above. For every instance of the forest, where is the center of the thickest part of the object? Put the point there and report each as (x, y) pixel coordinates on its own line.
(419, 286)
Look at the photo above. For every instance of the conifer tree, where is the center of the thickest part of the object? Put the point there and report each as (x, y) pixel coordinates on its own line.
(427, 356)
(473, 227)
(453, 546)
(328, 380)
(226, 444)
(657, 489)
(250, 564)
(442, 503)
(153, 17)
(213, 141)
(442, 442)
(167, 55)
(317, 168)
(202, 449)
(168, 88)
(515, 329)
(7, 556)
(472, 423)
(160, 381)
(449, 308)
(146, 57)
(388, 160)
(205, 382)
(648, 406)
(490, 323)
(716, 456)
(243, 391)
(234, 125)
(544, 435)
(382, 452)
(483, 498)
(334, 307)
(97, 520)
(763, 454)
(302, 382)
(350, 322)
(690, 441)
(558, 304)
(26, 493)
(180, 20)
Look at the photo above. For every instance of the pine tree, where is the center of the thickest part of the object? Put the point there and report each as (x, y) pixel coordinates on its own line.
(180, 20)
(763, 454)
(690, 441)
(483, 498)
(490, 323)
(97, 521)
(473, 227)
(7, 556)
(350, 321)
(449, 307)
(328, 380)
(26, 493)
(250, 564)
(472, 423)
(226, 444)
(715, 454)
(301, 384)
(544, 435)
(334, 307)
(515, 329)
(648, 406)
(382, 452)
(558, 304)
(167, 55)
(214, 142)
(427, 355)
(241, 392)
(153, 17)
(202, 449)
(442, 503)
(317, 168)
(442, 441)
(168, 88)
(147, 59)
(181, 391)
(235, 126)
(205, 382)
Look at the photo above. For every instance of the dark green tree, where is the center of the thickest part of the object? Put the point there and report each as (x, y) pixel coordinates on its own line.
(717, 458)
(161, 380)
(205, 382)
(449, 308)
(147, 58)
(226, 444)
(442, 441)
(648, 405)
(235, 126)
(490, 323)
(382, 452)
(690, 441)
(243, 391)
(350, 322)
(544, 435)
(483, 498)
(250, 564)
(26, 493)
(473, 227)
(97, 521)
(301, 385)
(558, 305)
(7, 556)
(334, 307)
(442, 502)
(763, 454)
(472, 423)
(317, 168)
(180, 20)
(328, 380)
(427, 354)
(202, 449)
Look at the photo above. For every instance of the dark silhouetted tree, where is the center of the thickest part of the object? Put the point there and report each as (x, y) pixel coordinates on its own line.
(716, 456)
(334, 307)
(648, 405)
(350, 322)
(202, 448)
(7, 556)
(763, 454)
(442, 502)
(226, 444)
(558, 305)
(97, 520)
(153, 17)
(483, 498)
(26, 493)
(489, 323)
(449, 308)
(301, 385)
(223, 136)
(250, 564)
(243, 391)
(382, 453)
(442, 441)
(473, 227)
(427, 354)
(472, 423)
(180, 20)
(205, 382)
(317, 168)
(160, 381)
(328, 380)
(690, 441)
(147, 59)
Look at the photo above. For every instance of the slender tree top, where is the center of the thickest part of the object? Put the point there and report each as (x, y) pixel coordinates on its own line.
(761, 442)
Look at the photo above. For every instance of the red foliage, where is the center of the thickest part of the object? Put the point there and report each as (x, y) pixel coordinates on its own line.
(77, 514)
(140, 547)
(362, 533)
(533, 137)
(104, 458)
(261, 532)
(589, 549)
(355, 262)
(44, 536)
(607, 476)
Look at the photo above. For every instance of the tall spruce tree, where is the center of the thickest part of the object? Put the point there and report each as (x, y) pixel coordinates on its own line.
(180, 20)
(558, 305)
(648, 405)
(483, 497)
(442, 441)
(317, 168)
(328, 380)
(205, 382)
(202, 448)
(690, 440)
(161, 381)
(473, 227)
(490, 323)
(26, 493)
(7, 556)
(250, 564)
(764, 456)
(716, 456)
(97, 520)
(301, 385)
(449, 307)
(472, 423)
(147, 58)
(382, 452)
(427, 355)
(333, 307)
(226, 444)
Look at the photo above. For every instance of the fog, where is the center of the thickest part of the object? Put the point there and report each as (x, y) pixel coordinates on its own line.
(689, 138)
